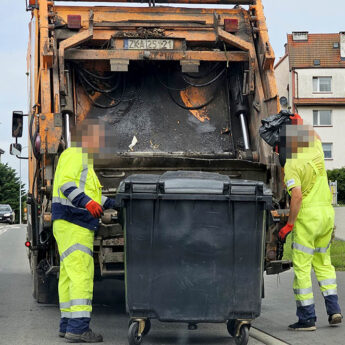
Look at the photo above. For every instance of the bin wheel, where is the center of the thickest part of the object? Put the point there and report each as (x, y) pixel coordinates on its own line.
(231, 326)
(133, 337)
(243, 338)
(147, 326)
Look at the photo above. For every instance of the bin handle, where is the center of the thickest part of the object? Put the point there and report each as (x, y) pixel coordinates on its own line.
(123, 174)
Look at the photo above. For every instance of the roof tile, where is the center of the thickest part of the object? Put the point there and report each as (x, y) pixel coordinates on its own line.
(318, 47)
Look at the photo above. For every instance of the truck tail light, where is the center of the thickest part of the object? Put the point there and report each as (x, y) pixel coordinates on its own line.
(32, 4)
(27, 244)
(74, 21)
(231, 25)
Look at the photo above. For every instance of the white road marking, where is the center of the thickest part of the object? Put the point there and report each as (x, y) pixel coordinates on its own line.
(3, 230)
(265, 338)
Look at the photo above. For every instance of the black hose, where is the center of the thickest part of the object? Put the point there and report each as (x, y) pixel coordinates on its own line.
(96, 76)
(33, 137)
(189, 83)
(191, 108)
(205, 84)
(88, 82)
(169, 87)
(214, 67)
(102, 106)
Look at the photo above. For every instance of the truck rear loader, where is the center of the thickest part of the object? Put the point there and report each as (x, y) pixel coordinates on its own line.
(177, 88)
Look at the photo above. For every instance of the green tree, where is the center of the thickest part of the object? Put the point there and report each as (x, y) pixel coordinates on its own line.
(9, 189)
(338, 175)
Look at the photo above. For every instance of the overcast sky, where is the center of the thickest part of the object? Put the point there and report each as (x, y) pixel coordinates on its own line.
(283, 16)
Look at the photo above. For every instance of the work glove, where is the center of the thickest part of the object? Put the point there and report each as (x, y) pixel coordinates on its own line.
(284, 232)
(94, 208)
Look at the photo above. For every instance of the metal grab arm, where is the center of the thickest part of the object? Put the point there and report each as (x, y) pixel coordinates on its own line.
(71, 42)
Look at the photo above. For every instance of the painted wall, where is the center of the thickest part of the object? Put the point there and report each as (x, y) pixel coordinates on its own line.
(304, 83)
(329, 134)
(282, 76)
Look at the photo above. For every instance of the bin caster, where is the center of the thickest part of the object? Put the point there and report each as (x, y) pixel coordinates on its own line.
(243, 337)
(137, 329)
(192, 326)
(239, 329)
(231, 326)
(146, 328)
(133, 334)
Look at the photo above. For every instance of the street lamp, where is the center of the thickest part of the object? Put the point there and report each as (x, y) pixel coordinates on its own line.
(20, 187)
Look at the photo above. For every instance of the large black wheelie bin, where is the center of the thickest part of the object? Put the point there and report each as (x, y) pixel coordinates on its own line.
(194, 245)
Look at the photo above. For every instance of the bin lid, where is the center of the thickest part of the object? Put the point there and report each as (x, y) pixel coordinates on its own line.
(141, 183)
(193, 182)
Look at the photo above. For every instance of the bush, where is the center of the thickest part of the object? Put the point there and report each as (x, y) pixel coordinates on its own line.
(338, 175)
(9, 189)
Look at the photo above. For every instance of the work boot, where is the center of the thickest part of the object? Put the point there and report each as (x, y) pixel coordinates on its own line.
(62, 334)
(308, 325)
(86, 337)
(335, 319)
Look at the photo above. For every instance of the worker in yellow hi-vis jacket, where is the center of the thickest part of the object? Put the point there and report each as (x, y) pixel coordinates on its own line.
(77, 206)
(311, 221)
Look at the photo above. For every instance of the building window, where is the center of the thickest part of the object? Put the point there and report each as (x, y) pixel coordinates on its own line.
(300, 36)
(322, 117)
(322, 84)
(328, 150)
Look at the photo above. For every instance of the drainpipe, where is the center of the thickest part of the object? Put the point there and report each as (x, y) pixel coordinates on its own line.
(295, 86)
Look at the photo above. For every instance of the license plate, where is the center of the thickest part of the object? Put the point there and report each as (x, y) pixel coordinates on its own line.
(153, 44)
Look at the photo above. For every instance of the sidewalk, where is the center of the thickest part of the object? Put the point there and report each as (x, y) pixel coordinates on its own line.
(340, 223)
(279, 310)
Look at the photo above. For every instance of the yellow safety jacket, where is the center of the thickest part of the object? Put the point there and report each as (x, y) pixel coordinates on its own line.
(75, 184)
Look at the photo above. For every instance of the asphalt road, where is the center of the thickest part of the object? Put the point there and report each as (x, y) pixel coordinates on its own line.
(340, 222)
(23, 321)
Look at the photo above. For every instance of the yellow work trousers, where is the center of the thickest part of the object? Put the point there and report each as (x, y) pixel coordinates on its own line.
(75, 246)
(311, 248)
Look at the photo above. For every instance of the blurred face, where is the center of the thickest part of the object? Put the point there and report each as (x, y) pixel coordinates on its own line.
(298, 137)
(90, 136)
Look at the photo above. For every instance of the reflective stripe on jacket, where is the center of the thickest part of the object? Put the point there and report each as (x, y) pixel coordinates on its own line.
(75, 184)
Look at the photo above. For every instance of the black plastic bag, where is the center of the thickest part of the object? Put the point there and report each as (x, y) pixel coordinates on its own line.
(272, 125)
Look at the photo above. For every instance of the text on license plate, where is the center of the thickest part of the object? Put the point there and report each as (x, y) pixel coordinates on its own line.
(132, 43)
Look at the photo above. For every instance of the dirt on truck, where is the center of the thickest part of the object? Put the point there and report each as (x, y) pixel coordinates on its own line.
(177, 88)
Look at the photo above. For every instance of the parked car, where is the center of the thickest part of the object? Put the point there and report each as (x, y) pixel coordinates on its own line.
(6, 214)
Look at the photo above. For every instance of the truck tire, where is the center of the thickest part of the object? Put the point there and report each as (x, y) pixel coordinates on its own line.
(44, 288)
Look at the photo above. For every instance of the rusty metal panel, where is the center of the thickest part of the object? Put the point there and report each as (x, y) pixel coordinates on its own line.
(50, 133)
(93, 54)
(224, 2)
(166, 120)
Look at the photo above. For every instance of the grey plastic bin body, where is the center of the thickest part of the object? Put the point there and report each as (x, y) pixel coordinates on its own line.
(194, 246)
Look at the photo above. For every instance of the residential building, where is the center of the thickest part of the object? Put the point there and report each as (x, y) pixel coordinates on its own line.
(311, 75)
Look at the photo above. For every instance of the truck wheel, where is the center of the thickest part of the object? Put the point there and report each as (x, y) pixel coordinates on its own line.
(133, 337)
(243, 338)
(44, 287)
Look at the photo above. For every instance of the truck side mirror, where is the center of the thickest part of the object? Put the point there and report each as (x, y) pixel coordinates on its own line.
(17, 124)
(15, 149)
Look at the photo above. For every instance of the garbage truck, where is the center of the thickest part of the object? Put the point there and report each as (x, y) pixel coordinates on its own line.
(180, 85)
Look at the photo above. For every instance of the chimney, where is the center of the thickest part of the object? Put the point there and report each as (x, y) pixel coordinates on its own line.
(342, 45)
(300, 35)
